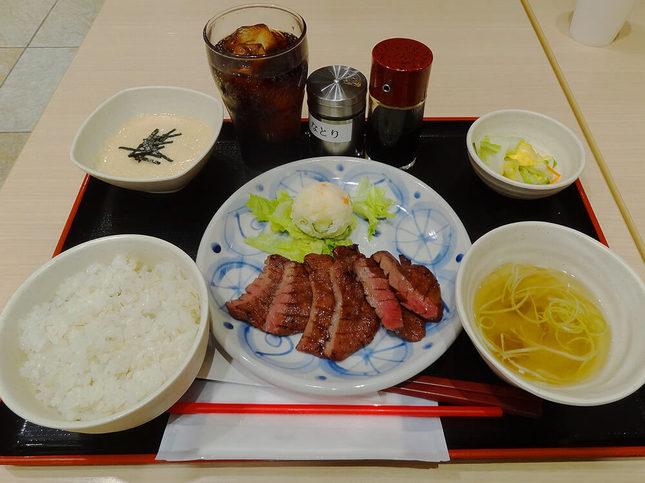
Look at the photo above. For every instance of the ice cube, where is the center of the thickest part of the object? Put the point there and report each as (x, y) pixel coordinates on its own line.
(255, 40)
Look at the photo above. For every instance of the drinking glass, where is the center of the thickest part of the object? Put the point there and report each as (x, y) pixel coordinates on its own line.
(258, 57)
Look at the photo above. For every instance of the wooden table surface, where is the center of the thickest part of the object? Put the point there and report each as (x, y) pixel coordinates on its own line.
(607, 87)
(487, 57)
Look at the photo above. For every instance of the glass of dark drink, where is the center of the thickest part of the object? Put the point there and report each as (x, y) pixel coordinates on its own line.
(258, 58)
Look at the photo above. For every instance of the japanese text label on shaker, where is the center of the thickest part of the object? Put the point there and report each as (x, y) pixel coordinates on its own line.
(397, 92)
(336, 101)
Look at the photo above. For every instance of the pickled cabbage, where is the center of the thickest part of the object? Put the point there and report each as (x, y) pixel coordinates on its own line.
(516, 159)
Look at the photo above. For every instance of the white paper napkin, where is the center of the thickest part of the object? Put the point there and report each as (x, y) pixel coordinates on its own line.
(298, 437)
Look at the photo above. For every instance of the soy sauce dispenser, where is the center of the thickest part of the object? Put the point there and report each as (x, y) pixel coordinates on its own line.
(397, 93)
(336, 102)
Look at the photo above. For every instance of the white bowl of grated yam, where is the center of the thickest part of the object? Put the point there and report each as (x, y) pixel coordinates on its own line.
(105, 336)
(149, 138)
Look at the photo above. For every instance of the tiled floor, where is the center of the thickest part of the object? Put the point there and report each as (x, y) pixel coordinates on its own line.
(38, 39)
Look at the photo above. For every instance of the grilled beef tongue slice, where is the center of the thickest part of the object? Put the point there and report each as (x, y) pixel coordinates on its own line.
(414, 327)
(253, 306)
(376, 288)
(316, 331)
(414, 285)
(354, 322)
(289, 311)
(278, 301)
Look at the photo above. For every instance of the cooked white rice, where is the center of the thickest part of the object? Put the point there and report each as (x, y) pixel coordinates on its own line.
(110, 336)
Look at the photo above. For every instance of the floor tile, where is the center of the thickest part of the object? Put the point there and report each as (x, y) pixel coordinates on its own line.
(10, 146)
(29, 86)
(8, 58)
(20, 19)
(67, 23)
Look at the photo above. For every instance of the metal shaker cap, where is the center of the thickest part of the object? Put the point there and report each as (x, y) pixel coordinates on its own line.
(336, 91)
(400, 72)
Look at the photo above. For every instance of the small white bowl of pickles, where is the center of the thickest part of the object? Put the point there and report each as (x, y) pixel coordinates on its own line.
(524, 154)
(554, 312)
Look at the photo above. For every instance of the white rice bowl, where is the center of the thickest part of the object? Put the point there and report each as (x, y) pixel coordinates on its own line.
(104, 337)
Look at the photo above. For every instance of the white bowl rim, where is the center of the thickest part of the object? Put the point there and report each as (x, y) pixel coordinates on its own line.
(204, 325)
(562, 183)
(525, 384)
(124, 179)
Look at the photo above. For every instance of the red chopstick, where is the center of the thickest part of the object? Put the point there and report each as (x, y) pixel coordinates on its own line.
(510, 399)
(345, 409)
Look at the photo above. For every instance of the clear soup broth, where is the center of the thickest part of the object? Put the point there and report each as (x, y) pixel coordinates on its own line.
(542, 323)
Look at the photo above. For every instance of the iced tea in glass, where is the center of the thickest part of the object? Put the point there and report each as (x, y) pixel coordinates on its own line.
(258, 58)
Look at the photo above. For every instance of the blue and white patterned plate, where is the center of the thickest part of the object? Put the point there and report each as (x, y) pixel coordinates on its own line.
(425, 229)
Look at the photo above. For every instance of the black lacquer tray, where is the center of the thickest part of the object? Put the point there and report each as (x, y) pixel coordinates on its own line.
(616, 429)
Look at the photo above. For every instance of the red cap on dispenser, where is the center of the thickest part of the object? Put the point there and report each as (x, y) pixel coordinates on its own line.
(400, 72)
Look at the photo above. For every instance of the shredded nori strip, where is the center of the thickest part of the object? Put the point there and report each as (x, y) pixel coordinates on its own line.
(151, 147)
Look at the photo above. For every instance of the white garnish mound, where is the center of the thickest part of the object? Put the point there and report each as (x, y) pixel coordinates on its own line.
(322, 210)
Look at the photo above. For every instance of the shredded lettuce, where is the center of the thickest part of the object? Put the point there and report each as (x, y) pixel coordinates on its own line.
(277, 211)
(288, 240)
(370, 202)
(293, 249)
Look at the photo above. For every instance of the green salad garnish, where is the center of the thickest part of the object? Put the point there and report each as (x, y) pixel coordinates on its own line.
(287, 239)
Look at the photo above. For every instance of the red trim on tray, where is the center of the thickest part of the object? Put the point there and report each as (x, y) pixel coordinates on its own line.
(518, 454)
(71, 216)
(590, 212)
(80, 460)
(546, 453)
(430, 118)
(465, 118)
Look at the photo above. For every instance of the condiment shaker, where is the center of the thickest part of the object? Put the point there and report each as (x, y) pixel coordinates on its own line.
(336, 100)
(397, 93)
